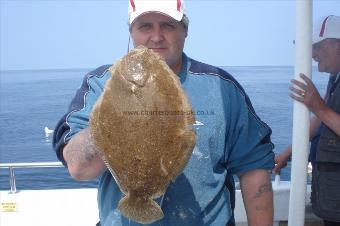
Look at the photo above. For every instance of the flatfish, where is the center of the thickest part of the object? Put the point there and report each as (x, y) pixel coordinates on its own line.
(142, 123)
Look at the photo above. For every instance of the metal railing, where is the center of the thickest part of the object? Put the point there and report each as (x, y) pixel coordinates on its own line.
(12, 166)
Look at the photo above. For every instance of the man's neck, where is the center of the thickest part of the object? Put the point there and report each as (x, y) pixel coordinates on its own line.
(176, 68)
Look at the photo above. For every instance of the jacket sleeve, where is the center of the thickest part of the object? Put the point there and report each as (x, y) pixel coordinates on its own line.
(248, 144)
(77, 116)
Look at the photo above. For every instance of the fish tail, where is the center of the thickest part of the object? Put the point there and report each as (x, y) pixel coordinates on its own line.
(140, 209)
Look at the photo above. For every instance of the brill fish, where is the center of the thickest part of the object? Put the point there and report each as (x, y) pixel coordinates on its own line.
(143, 124)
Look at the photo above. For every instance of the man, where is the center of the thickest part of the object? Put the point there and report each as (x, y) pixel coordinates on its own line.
(325, 125)
(231, 140)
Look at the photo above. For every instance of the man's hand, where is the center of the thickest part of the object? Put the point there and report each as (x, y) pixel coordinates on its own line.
(257, 196)
(307, 94)
(282, 159)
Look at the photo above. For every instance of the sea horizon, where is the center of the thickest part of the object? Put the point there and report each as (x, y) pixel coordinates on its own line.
(92, 68)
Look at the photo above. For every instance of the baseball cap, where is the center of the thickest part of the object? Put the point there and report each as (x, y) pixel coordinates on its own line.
(326, 27)
(171, 8)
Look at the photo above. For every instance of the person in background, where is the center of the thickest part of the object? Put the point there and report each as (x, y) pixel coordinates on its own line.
(232, 138)
(325, 124)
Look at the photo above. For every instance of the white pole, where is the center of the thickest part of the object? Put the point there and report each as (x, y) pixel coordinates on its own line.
(303, 64)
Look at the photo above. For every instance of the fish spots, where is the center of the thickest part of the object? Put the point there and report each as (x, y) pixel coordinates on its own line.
(133, 88)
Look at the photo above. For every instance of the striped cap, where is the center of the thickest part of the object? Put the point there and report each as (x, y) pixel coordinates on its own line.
(171, 8)
(326, 27)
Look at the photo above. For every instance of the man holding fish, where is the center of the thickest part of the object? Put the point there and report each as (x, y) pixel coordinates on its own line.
(213, 124)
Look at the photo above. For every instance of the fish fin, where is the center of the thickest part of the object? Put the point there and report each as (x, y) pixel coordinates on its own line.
(140, 209)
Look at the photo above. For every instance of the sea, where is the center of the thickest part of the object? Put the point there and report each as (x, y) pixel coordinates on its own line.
(31, 100)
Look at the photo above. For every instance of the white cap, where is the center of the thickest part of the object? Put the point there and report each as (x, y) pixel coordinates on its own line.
(326, 27)
(171, 8)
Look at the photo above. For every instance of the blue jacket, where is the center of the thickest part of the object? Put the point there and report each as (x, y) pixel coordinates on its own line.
(231, 140)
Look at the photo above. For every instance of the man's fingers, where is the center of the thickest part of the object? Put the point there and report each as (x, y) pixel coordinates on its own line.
(306, 79)
(277, 168)
(297, 91)
(299, 84)
(298, 98)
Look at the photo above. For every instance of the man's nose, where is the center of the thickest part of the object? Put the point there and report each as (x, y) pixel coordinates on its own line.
(157, 35)
(314, 53)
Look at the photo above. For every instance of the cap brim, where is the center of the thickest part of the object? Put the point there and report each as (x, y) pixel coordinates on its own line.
(175, 15)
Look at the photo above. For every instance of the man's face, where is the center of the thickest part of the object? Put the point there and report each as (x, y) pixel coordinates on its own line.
(327, 54)
(161, 34)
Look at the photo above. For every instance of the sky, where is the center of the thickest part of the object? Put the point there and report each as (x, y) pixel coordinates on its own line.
(53, 34)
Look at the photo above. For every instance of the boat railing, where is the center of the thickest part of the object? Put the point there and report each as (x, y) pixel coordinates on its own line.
(13, 166)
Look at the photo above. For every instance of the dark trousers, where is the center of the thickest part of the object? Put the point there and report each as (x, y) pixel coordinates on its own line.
(331, 223)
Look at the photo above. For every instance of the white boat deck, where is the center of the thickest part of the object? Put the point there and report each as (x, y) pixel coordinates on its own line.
(60, 207)
(78, 207)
